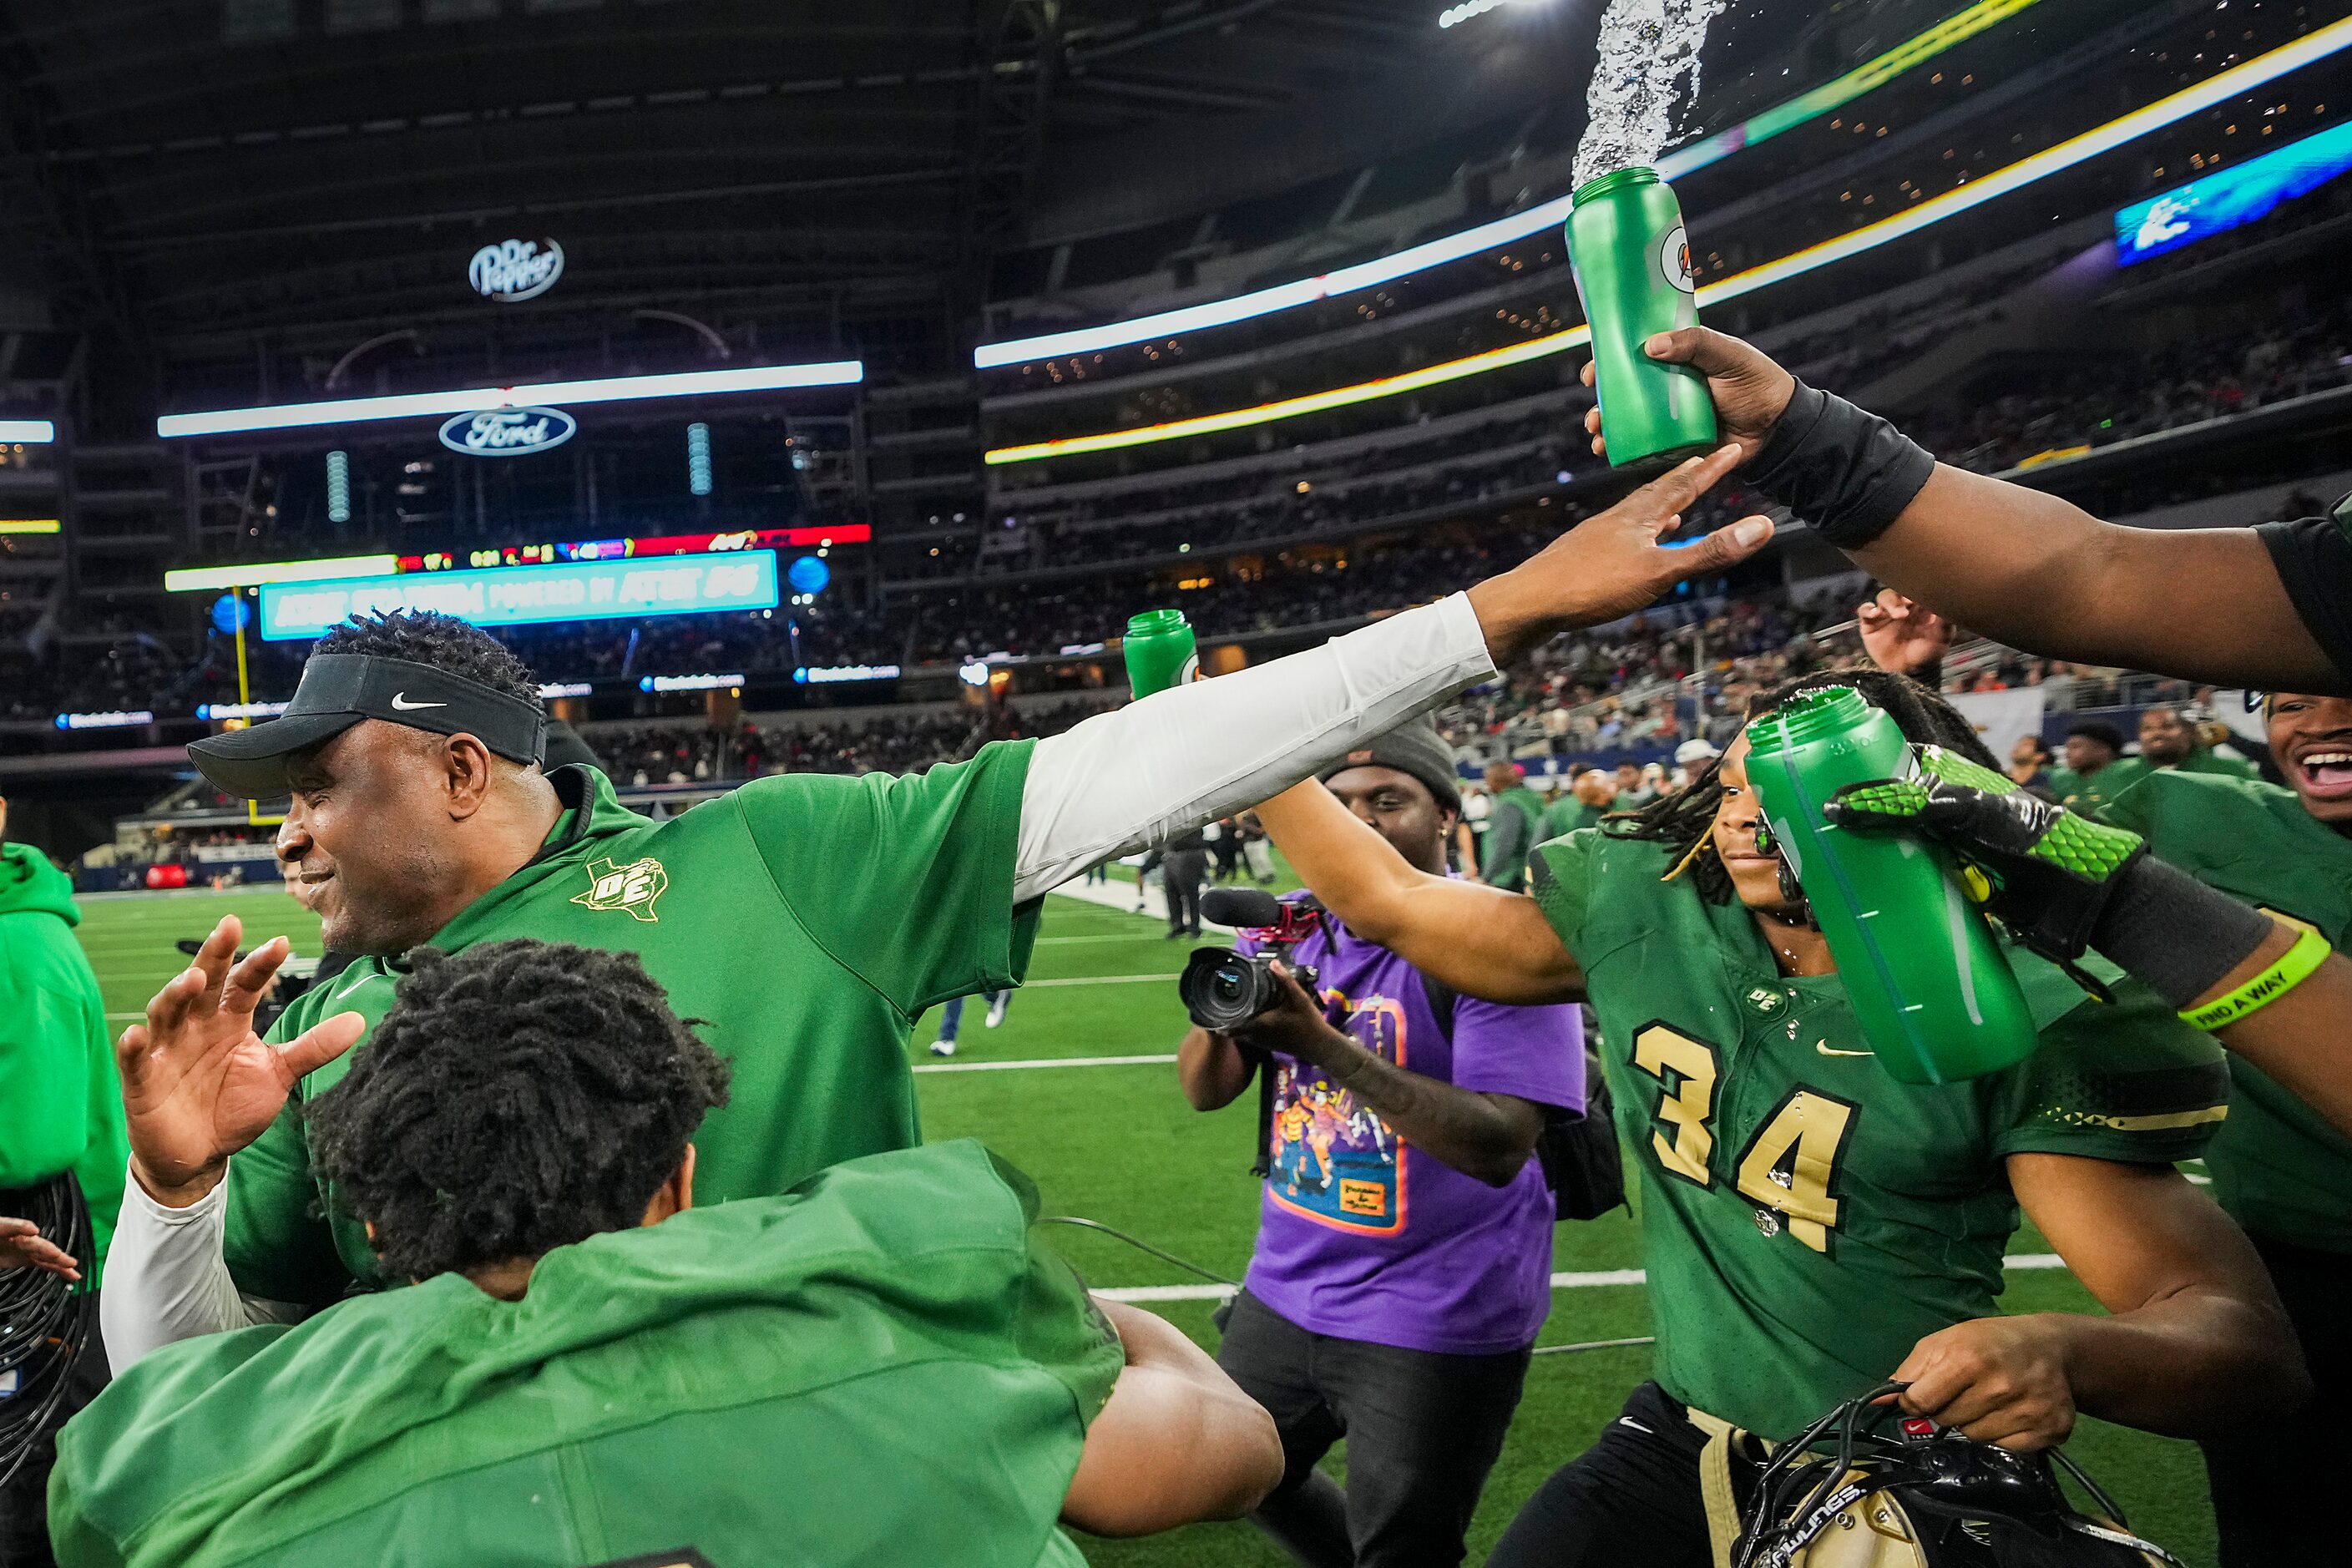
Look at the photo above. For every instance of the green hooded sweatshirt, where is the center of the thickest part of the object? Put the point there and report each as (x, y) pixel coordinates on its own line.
(61, 1103)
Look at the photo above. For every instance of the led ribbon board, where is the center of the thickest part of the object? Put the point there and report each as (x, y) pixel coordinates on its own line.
(2307, 50)
(1787, 116)
(525, 595)
(2219, 203)
(470, 400)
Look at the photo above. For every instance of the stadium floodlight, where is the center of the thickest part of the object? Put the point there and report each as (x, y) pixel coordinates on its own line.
(2244, 78)
(27, 432)
(1536, 219)
(30, 525)
(424, 404)
(253, 574)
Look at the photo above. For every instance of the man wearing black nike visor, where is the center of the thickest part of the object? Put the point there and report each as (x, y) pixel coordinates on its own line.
(806, 920)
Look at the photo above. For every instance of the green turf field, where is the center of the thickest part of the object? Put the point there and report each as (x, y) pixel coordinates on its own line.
(1118, 1144)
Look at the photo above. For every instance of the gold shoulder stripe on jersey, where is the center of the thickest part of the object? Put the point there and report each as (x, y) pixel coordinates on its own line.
(2161, 1123)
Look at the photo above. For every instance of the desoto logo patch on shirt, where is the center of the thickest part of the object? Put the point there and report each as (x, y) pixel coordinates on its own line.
(633, 887)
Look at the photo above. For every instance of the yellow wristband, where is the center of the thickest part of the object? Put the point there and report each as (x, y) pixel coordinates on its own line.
(2294, 967)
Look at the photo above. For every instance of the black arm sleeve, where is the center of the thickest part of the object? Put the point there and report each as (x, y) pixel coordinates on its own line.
(2314, 563)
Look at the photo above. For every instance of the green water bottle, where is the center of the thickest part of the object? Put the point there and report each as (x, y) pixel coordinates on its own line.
(1631, 260)
(1159, 652)
(1930, 988)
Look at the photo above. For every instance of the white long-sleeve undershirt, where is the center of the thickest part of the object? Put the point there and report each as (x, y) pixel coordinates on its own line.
(1118, 783)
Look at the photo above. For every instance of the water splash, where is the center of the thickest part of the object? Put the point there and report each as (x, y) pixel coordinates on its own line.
(1648, 63)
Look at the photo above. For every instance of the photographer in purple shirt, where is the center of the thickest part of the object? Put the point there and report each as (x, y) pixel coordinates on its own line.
(1403, 1259)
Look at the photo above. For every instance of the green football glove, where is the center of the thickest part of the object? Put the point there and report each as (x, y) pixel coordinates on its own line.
(2048, 872)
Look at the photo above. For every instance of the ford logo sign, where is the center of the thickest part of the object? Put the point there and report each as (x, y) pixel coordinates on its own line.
(515, 270)
(508, 432)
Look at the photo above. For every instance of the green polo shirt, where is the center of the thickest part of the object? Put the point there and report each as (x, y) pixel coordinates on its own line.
(801, 920)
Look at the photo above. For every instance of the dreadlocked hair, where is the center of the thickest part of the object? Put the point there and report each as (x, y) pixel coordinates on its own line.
(439, 642)
(518, 1096)
(1683, 820)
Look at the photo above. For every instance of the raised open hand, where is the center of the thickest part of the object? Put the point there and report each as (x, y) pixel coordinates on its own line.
(1902, 635)
(198, 1084)
(1613, 563)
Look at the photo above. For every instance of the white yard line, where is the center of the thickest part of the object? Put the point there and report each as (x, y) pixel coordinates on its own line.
(1101, 980)
(1590, 1280)
(1045, 1062)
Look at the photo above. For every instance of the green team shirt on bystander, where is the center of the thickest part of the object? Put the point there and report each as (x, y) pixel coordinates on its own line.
(2278, 1167)
(1806, 1219)
(802, 1379)
(2090, 793)
(61, 1103)
(1512, 829)
(1567, 815)
(801, 920)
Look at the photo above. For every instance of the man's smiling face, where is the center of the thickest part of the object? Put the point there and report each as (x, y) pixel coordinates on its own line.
(365, 843)
(2312, 739)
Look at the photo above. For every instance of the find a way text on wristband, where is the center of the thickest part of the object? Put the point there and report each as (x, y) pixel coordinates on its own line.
(2293, 968)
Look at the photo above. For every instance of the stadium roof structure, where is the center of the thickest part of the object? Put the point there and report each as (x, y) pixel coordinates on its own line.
(209, 177)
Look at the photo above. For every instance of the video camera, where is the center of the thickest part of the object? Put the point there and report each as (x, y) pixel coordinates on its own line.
(1224, 989)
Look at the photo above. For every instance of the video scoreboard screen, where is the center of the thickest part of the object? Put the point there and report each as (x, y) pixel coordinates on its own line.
(528, 595)
(2234, 196)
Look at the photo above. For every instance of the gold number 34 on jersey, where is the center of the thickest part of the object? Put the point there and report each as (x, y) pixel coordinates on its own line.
(1788, 1168)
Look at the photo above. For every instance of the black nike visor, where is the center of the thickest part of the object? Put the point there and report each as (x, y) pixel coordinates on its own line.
(340, 689)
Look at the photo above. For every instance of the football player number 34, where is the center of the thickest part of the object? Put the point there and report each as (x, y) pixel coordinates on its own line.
(1788, 1167)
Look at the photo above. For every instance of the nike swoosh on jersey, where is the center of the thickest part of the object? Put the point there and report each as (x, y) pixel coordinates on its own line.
(400, 700)
(1829, 1050)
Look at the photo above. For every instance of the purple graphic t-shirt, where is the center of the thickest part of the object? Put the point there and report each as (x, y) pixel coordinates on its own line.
(1364, 1236)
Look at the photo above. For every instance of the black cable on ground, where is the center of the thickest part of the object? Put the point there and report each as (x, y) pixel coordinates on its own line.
(44, 1321)
(1141, 1246)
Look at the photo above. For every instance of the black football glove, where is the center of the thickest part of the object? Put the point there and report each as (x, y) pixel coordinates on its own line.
(2047, 873)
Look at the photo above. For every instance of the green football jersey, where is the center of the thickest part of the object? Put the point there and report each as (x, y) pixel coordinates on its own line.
(2278, 1167)
(882, 1368)
(2090, 793)
(803, 920)
(1806, 1219)
(1512, 829)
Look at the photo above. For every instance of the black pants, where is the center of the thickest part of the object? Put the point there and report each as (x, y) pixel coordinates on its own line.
(1183, 873)
(2274, 1481)
(1423, 1430)
(24, 1502)
(1631, 1498)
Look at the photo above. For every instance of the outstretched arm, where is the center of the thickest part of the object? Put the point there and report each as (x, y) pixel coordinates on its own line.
(1126, 780)
(2024, 568)
(2041, 573)
(1481, 941)
(1179, 1442)
(2196, 1340)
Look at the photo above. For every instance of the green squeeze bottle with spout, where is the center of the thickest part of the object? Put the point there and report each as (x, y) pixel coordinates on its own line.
(1631, 260)
(1159, 652)
(1930, 988)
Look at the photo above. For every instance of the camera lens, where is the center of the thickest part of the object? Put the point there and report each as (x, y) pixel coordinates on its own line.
(1222, 990)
